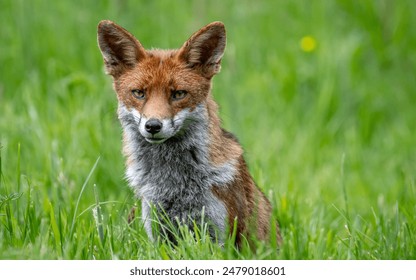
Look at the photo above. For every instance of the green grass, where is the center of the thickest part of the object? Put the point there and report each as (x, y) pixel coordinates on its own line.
(329, 134)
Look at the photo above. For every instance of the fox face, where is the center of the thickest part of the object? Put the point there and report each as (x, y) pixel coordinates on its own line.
(161, 102)
(161, 89)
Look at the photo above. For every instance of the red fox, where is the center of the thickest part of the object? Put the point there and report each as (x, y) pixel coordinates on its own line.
(179, 159)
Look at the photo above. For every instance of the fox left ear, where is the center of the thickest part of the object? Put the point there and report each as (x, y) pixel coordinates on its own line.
(204, 50)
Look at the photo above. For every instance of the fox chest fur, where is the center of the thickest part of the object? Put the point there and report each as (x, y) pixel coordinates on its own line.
(179, 159)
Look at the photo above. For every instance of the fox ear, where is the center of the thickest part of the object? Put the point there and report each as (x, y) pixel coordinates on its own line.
(120, 50)
(204, 50)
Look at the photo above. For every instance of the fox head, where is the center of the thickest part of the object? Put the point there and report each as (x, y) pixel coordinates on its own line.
(161, 90)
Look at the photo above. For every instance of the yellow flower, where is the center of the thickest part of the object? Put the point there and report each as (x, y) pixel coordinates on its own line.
(308, 44)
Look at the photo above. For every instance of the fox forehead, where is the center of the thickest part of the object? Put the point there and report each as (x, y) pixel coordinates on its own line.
(161, 69)
(158, 68)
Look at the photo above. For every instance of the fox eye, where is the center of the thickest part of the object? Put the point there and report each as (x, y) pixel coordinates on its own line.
(178, 94)
(138, 93)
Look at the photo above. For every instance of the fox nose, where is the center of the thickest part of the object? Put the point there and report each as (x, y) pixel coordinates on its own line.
(153, 126)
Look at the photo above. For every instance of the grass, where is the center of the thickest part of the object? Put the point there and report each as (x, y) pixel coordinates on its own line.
(328, 129)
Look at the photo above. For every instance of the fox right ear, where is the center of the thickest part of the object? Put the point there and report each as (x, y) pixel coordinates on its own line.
(120, 50)
(205, 49)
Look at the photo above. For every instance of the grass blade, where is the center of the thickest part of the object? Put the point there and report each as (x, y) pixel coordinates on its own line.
(98, 218)
(74, 218)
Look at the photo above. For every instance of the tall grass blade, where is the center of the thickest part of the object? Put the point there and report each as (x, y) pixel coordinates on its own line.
(55, 229)
(18, 172)
(98, 218)
(74, 218)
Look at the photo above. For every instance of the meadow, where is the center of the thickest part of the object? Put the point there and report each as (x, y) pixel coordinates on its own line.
(321, 94)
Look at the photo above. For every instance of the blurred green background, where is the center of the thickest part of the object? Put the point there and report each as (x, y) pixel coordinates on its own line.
(320, 93)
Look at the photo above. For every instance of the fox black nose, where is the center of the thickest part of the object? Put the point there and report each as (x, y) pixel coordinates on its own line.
(153, 126)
